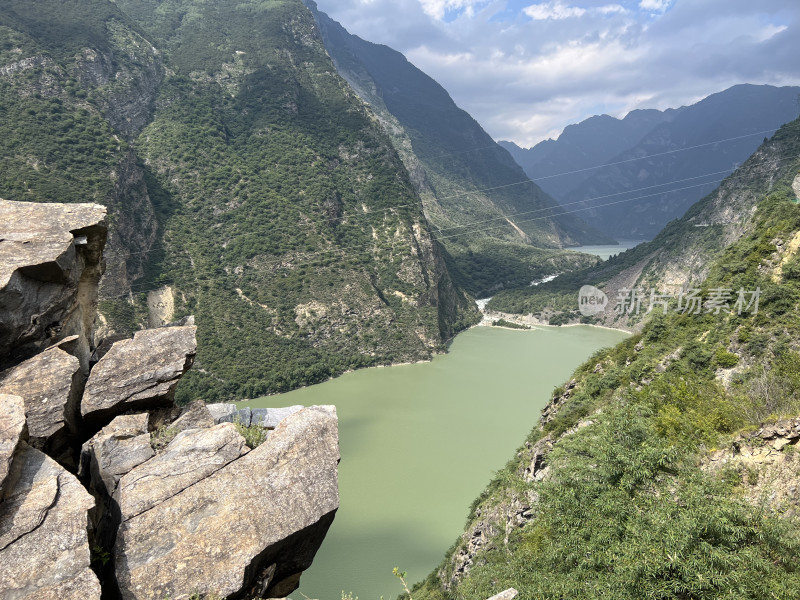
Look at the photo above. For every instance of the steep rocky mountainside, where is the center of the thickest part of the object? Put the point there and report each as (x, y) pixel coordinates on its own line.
(77, 84)
(683, 254)
(667, 467)
(246, 184)
(106, 487)
(559, 166)
(682, 157)
(492, 220)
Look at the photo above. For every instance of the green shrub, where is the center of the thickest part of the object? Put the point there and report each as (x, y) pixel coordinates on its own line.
(162, 436)
(724, 359)
(254, 435)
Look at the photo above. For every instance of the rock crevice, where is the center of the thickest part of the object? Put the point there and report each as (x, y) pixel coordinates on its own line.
(166, 502)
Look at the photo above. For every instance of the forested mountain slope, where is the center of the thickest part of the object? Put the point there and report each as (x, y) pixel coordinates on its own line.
(683, 254)
(247, 184)
(77, 83)
(668, 467)
(490, 217)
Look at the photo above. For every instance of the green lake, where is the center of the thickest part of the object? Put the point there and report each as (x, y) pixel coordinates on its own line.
(606, 251)
(420, 442)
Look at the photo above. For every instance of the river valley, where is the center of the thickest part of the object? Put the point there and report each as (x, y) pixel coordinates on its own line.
(419, 442)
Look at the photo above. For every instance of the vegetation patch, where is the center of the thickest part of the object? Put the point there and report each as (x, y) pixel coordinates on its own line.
(509, 324)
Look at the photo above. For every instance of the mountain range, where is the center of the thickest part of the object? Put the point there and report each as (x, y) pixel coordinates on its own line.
(317, 204)
(307, 231)
(629, 177)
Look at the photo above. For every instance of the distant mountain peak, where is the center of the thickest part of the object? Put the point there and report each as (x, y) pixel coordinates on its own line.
(596, 161)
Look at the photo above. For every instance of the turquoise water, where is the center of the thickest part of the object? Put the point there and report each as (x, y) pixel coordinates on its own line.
(420, 442)
(607, 251)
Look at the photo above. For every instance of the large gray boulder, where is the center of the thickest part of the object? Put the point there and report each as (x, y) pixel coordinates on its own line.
(116, 449)
(50, 268)
(111, 453)
(44, 547)
(12, 427)
(139, 374)
(193, 455)
(249, 529)
(50, 384)
(223, 413)
(194, 415)
(269, 418)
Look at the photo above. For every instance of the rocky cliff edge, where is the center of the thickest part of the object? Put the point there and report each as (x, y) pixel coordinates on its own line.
(106, 487)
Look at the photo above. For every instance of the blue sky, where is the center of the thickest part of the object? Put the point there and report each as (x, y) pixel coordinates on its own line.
(527, 69)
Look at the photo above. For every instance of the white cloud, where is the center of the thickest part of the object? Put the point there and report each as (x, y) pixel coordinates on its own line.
(553, 10)
(769, 31)
(611, 9)
(655, 5)
(525, 78)
(438, 8)
(557, 11)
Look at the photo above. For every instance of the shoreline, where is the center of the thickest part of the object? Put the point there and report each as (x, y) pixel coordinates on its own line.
(532, 321)
(534, 328)
(484, 323)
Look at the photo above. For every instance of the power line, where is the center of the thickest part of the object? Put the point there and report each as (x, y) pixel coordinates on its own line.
(593, 207)
(503, 217)
(344, 250)
(739, 137)
(460, 194)
(500, 218)
(595, 198)
(529, 180)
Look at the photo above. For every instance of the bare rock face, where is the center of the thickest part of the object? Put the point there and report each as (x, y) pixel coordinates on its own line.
(139, 374)
(269, 418)
(116, 449)
(186, 510)
(228, 413)
(50, 267)
(193, 455)
(194, 416)
(50, 384)
(12, 427)
(508, 594)
(249, 529)
(44, 548)
(770, 474)
(119, 447)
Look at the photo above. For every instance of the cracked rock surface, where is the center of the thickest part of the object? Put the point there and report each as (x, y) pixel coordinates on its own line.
(116, 449)
(12, 426)
(193, 455)
(44, 548)
(50, 268)
(49, 385)
(265, 513)
(170, 502)
(140, 373)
